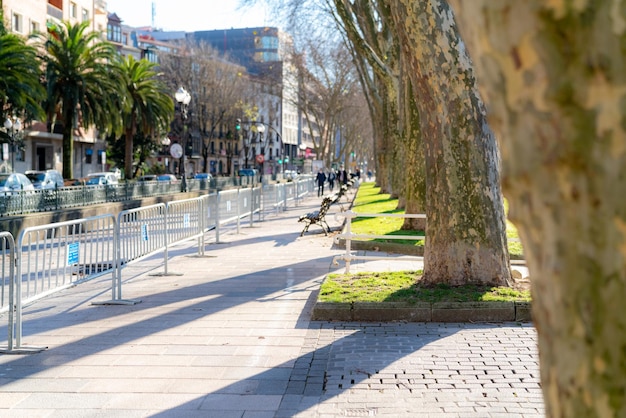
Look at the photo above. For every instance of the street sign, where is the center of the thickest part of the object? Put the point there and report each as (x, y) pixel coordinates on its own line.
(176, 150)
(73, 253)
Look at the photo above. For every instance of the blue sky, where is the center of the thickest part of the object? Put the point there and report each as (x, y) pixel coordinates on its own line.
(190, 15)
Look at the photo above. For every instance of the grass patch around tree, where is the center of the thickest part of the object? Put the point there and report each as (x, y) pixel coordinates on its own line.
(370, 200)
(403, 286)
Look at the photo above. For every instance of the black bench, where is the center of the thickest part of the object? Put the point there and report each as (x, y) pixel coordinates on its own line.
(318, 217)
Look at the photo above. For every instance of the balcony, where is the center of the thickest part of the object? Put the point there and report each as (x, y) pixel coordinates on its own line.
(55, 12)
(100, 5)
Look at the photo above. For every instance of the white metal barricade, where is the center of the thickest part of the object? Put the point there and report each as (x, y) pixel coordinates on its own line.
(53, 257)
(141, 232)
(7, 269)
(7, 299)
(49, 258)
(270, 197)
(210, 210)
(348, 236)
(185, 221)
(246, 204)
(291, 194)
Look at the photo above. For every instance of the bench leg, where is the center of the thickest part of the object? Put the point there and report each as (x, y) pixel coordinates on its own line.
(306, 228)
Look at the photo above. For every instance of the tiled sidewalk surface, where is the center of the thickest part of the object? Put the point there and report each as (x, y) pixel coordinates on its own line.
(232, 337)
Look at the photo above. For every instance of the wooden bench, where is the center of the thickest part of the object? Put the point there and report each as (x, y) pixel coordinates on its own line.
(318, 217)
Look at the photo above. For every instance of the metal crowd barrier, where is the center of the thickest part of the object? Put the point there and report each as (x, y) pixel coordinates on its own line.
(7, 289)
(7, 269)
(52, 257)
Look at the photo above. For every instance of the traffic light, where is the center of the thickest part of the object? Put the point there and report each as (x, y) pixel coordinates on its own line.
(238, 125)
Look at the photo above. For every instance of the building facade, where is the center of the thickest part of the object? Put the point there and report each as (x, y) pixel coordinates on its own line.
(42, 143)
(266, 53)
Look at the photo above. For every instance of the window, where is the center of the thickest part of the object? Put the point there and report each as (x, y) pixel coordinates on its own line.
(73, 10)
(114, 33)
(34, 27)
(151, 56)
(85, 15)
(17, 23)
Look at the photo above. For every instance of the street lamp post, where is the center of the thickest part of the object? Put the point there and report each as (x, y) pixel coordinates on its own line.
(13, 128)
(165, 142)
(260, 129)
(183, 98)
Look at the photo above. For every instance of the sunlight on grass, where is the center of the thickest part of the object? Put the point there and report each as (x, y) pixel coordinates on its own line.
(370, 200)
(404, 286)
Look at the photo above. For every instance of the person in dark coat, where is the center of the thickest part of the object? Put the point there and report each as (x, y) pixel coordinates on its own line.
(331, 180)
(321, 179)
(343, 176)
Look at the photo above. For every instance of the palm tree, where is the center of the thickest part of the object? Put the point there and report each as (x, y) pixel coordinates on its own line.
(82, 83)
(148, 108)
(20, 78)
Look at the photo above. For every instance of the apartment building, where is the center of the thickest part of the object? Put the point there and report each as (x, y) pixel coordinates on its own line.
(42, 144)
(266, 53)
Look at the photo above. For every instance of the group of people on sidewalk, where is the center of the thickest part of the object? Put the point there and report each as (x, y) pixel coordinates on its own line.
(340, 176)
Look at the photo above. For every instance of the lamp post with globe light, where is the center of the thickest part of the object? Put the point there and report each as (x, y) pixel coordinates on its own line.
(13, 127)
(183, 98)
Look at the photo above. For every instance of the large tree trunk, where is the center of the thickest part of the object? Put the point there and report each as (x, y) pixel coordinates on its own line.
(414, 170)
(466, 240)
(554, 76)
(399, 155)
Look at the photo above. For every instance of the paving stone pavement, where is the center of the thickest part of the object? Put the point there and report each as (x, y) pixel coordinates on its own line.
(232, 337)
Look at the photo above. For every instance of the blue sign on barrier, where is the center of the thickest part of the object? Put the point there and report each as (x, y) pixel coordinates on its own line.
(144, 232)
(72, 253)
(186, 220)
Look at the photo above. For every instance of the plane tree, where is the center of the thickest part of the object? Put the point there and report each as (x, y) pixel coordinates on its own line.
(82, 83)
(553, 76)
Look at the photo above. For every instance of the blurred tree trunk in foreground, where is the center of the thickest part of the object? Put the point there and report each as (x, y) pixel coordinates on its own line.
(554, 76)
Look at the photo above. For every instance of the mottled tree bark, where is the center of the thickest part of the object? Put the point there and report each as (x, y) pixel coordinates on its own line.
(399, 166)
(466, 241)
(554, 76)
(413, 152)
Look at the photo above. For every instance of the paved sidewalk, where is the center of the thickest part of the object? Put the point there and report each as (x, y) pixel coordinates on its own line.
(232, 337)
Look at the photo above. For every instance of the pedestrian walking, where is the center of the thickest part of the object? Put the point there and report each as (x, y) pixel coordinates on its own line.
(331, 180)
(343, 176)
(321, 179)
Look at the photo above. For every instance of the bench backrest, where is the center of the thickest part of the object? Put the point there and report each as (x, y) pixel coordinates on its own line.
(326, 202)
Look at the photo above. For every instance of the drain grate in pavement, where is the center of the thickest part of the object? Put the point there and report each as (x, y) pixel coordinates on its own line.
(362, 412)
